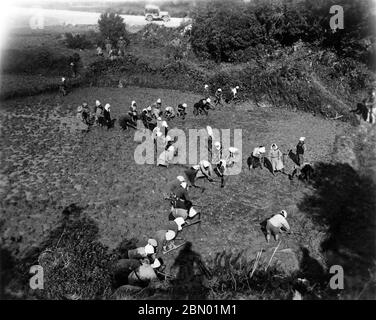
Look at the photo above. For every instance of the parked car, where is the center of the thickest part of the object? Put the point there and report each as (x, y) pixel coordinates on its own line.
(153, 12)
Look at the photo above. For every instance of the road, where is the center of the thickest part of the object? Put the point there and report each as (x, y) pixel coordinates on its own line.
(37, 17)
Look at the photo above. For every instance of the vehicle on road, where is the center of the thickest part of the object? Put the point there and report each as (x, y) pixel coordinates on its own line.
(153, 12)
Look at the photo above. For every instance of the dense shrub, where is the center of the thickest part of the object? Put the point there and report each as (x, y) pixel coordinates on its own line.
(77, 41)
(222, 30)
(112, 26)
(38, 60)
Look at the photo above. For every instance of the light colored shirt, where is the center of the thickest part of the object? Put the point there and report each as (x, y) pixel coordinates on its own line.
(279, 221)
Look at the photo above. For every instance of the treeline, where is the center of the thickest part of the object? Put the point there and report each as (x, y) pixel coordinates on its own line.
(223, 29)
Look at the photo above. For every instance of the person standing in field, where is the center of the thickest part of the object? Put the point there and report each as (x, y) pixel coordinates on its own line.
(300, 150)
(121, 45)
(108, 46)
(206, 92)
(107, 115)
(276, 159)
(218, 97)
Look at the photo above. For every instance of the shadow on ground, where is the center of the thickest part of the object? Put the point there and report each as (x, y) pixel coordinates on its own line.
(344, 202)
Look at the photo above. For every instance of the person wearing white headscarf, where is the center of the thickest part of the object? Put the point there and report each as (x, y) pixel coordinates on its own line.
(141, 252)
(181, 202)
(99, 110)
(107, 115)
(277, 224)
(201, 170)
(167, 156)
(300, 150)
(257, 157)
(169, 113)
(276, 158)
(143, 274)
(182, 107)
(206, 91)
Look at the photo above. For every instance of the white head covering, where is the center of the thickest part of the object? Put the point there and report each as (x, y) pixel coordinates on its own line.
(208, 100)
(164, 124)
(149, 249)
(205, 163)
(184, 105)
(183, 184)
(168, 138)
(209, 130)
(217, 145)
(156, 264)
(107, 106)
(301, 138)
(237, 87)
(159, 119)
(97, 103)
(180, 178)
(170, 235)
(79, 109)
(159, 100)
(148, 108)
(62, 79)
(206, 86)
(179, 221)
(274, 146)
(262, 150)
(219, 89)
(152, 242)
(133, 103)
(284, 213)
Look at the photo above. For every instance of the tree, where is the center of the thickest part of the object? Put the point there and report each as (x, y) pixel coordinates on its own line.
(112, 26)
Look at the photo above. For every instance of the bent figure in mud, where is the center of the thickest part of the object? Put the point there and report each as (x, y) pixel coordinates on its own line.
(275, 225)
(181, 202)
(182, 110)
(202, 106)
(201, 170)
(257, 158)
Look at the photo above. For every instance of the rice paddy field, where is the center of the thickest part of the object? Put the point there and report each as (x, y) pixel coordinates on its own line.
(49, 164)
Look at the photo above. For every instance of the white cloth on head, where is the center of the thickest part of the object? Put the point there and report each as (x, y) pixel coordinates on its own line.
(107, 107)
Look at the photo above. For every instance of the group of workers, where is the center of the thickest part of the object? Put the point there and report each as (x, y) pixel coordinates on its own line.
(99, 116)
(275, 159)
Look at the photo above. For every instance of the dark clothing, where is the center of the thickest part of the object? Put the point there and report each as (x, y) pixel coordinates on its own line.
(218, 98)
(200, 107)
(300, 152)
(107, 118)
(210, 148)
(182, 198)
(181, 111)
(191, 175)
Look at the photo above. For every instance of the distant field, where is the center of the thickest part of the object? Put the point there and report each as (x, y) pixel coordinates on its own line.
(47, 166)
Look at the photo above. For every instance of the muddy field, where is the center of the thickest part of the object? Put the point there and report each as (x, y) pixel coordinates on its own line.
(47, 165)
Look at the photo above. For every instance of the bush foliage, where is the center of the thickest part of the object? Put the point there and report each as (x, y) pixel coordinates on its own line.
(222, 29)
(112, 26)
